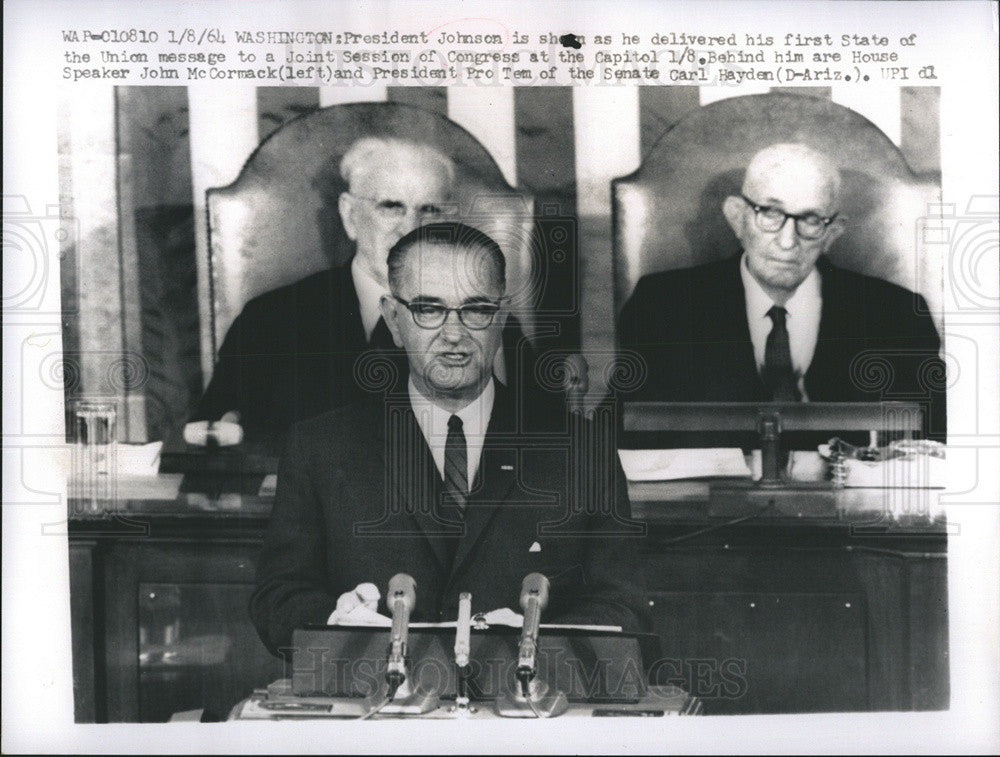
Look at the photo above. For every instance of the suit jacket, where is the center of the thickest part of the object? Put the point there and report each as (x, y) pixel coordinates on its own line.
(293, 353)
(876, 341)
(358, 501)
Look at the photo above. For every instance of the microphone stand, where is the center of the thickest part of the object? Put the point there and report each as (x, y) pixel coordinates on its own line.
(530, 695)
(463, 630)
(409, 700)
(398, 694)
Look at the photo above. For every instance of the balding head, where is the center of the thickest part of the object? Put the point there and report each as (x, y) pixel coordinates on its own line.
(810, 170)
(787, 216)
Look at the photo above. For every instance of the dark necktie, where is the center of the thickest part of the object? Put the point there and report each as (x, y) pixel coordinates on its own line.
(456, 465)
(455, 492)
(779, 376)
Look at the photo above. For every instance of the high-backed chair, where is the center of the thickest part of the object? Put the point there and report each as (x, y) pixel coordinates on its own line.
(668, 213)
(278, 222)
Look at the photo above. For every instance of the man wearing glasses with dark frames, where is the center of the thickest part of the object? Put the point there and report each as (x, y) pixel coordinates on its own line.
(292, 352)
(779, 321)
(440, 480)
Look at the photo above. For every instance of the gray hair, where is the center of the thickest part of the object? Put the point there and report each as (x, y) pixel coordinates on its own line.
(778, 153)
(361, 155)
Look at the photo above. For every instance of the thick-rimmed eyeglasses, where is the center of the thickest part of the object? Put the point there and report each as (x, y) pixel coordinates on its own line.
(431, 315)
(394, 210)
(807, 225)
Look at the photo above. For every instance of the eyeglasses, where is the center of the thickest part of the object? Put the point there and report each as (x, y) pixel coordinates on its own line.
(807, 225)
(394, 210)
(430, 315)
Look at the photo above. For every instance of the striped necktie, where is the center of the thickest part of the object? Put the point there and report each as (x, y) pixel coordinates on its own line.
(456, 465)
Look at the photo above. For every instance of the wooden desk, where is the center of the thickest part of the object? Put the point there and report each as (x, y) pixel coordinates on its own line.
(834, 610)
(797, 600)
(664, 700)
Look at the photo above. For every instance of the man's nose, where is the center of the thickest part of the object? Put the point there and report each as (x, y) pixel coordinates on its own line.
(453, 329)
(787, 236)
(410, 220)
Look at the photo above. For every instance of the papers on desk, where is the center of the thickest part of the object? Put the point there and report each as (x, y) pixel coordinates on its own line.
(269, 486)
(674, 464)
(138, 459)
(363, 617)
(918, 473)
(904, 464)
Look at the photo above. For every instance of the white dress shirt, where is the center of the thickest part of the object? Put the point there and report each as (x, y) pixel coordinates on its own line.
(804, 308)
(433, 422)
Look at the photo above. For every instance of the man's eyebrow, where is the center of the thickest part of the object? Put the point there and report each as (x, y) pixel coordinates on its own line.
(479, 300)
(774, 202)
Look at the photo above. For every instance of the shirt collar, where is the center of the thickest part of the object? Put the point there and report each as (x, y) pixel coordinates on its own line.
(433, 422)
(369, 292)
(433, 419)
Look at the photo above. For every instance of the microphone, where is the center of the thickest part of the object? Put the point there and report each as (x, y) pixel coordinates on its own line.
(401, 697)
(463, 629)
(400, 599)
(463, 648)
(535, 697)
(534, 598)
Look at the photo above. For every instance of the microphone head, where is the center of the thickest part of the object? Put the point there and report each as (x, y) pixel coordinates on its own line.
(535, 584)
(402, 588)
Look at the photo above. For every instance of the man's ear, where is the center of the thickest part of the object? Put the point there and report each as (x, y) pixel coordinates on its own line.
(733, 208)
(347, 204)
(390, 314)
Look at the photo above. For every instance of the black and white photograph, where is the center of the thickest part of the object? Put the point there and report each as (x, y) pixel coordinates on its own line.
(450, 366)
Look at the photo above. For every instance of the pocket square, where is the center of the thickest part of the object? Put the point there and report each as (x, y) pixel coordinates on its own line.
(535, 547)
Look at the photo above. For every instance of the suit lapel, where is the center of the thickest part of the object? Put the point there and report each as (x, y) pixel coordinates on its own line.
(382, 337)
(414, 477)
(496, 476)
(742, 360)
(828, 359)
(343, 311)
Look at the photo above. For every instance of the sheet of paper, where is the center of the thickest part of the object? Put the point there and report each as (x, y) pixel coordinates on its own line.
(364, 617)
(673, 464)
(138, 459)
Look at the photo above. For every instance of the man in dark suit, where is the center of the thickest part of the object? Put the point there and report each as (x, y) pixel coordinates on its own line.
(441, 480)
(300, 350)
(779, 322)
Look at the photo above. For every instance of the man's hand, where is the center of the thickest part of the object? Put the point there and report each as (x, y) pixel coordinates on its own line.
(576, 380)
(225, 432)
(503, 616)
(358, 606)
(575, 370)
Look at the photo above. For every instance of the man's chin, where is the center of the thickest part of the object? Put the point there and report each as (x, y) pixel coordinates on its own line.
(786, 278)
(450, 379)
